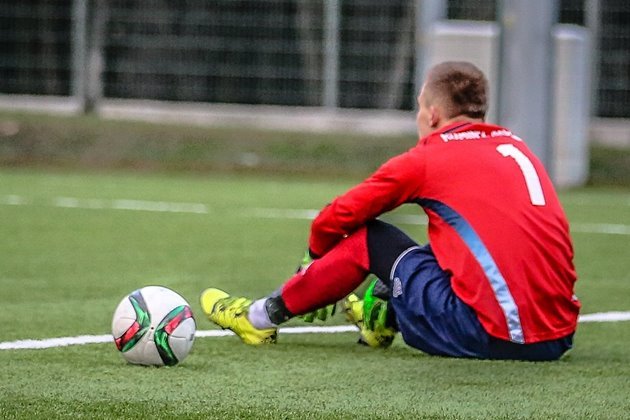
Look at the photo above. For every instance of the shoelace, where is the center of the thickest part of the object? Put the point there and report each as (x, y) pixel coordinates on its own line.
(227, 305)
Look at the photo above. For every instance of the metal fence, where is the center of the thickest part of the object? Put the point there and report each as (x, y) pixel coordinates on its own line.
(340, 53)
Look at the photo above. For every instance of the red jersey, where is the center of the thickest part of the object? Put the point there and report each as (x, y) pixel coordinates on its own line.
(495, 224)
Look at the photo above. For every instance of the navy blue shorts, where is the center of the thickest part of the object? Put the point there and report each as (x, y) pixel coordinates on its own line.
(433, 319)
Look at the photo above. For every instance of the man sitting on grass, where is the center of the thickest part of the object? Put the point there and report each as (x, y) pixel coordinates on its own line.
(495, 280)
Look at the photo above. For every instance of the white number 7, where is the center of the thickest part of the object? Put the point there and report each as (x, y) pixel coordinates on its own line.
(534, 188)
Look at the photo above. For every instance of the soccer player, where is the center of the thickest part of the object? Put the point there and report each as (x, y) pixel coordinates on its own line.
(495, 280)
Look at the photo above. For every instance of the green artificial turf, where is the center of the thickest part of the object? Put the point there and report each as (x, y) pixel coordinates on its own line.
(63, 270)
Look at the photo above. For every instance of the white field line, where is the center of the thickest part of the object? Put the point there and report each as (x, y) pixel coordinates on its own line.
(412, 219)
(604, 228)
(262, 213)
(616, 316)
(14, 200)
(310, 214)
(97, 339)
(296, 214)
(117, 204)
(133, 205)
(617, 200)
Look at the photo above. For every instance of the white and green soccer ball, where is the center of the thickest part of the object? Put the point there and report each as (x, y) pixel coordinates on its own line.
(154, 326)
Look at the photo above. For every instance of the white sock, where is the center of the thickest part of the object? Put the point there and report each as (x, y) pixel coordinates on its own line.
(258, 315)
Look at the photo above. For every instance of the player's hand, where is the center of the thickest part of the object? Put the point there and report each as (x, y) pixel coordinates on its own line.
(321, 314)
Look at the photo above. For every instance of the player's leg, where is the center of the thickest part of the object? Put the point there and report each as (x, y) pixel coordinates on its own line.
(325, 281)
(386, 243)
(230, 312)
(432, 318)
(373, 314)
(373, 248)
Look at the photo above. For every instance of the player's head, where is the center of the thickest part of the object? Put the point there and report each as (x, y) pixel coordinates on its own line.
(452, 90)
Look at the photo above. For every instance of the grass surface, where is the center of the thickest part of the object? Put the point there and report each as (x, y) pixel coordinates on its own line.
(89, 142)
(64, 270)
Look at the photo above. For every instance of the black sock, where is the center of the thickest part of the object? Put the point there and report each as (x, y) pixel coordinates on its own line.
(277, 310)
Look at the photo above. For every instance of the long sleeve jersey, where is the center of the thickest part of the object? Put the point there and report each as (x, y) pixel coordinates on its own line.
(495, 224)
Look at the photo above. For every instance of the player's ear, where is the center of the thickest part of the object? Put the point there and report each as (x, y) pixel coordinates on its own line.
(434, 116)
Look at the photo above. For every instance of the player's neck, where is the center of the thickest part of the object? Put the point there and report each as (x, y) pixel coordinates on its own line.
(458, 119)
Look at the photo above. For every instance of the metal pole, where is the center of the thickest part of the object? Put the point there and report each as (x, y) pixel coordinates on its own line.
(79, 51)
(96, 55)
(332, 17)
(593, 19)
(427, 13)
(526, 72)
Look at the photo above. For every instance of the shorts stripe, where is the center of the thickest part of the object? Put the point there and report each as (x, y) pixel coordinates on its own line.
(400, 257)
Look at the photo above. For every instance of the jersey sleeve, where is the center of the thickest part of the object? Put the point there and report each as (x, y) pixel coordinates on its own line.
(394, 183)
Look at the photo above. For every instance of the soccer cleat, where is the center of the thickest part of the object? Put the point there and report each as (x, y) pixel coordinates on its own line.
(374, 332)
(231, 313)
(321, 314)
(353, 308)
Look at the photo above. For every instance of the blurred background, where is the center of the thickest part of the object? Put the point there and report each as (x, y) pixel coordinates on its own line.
(137, 59)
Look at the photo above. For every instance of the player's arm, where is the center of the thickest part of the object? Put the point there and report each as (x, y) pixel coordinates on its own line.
(394, 183)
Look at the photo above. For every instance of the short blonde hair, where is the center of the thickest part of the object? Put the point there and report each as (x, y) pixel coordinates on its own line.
(459, 87)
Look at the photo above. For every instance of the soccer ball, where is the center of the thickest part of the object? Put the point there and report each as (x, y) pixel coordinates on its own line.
(153, 326)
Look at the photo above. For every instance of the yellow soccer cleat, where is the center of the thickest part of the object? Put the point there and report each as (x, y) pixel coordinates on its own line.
(376, 334)
(353, 308)
(231, 313)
